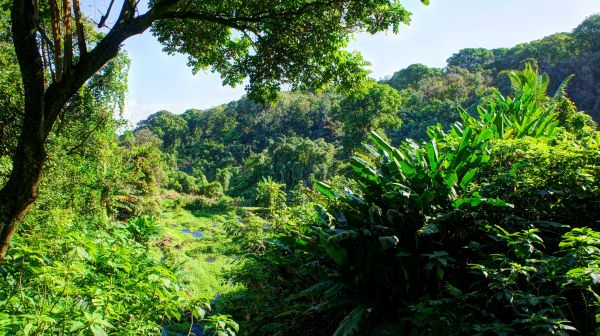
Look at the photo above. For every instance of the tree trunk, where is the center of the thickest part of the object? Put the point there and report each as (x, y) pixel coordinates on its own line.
(28, 159)
(17, 196)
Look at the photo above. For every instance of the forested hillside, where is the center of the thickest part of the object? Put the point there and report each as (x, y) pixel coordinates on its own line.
(245, 141)
(473, 73)
(454, 201)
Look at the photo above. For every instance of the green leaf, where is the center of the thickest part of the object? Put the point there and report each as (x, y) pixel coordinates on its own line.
(77, 325)
(468, 177)
(352, 324)
(561, 91)
(396, 170)
(428, 229)
(27, 329)
(339, 255)
(388, 242)
(407, 169)
(440, 272)
(325, 189)
(432, 155)
(485, 135)
(424, 200)
(464, 116)
(199, 313)
(451, 179)
(97, 330)
(364, 168)
(371, 150)
(378, 140)
(498, 202)
(465, 139)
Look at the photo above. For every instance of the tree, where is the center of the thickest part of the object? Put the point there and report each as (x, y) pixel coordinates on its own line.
(434, 99)
(167, 126)
(373, 107)
(270, 194)
(411, 75)
(299, 42)
(588, 33)
(473, 59)
(292, 161)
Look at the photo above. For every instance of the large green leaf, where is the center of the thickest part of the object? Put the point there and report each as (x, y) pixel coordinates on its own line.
(432, 154)
(352, 324)
(468, 177)
(325, 189)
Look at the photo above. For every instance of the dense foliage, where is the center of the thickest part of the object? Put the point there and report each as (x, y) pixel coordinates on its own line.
(239, 139)
(316, 214)
(475, 231)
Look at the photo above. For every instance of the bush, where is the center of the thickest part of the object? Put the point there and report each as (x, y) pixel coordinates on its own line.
(182, 182)
(202, 203)
(142, 229)
(211, 190)
(89, 280)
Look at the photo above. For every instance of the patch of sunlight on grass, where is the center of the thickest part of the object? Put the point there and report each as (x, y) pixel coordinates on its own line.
(204, 261)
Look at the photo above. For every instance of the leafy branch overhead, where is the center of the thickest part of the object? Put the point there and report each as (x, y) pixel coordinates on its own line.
(299, 43)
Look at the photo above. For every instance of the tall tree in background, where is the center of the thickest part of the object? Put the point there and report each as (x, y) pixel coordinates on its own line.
(297, 42)
(372, 107)
(588, 33)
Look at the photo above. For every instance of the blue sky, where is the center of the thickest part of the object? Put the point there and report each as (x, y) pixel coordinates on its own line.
(158, 81)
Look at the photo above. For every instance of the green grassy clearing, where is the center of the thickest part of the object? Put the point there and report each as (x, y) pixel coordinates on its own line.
(204, 261)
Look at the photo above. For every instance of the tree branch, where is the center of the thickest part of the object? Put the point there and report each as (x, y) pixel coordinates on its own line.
(58, 93)
(68, 38)
(56, 34)
(232, 23)
(27, 51)
(104, 17)
(128, 25)
(48, 57)
(79, 27)
(44, 35)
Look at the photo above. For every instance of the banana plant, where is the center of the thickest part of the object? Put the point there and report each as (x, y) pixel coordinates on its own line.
(510, 118)
(530, 113)
(384, 238)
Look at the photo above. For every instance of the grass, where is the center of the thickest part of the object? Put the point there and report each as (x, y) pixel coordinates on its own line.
(204, 261)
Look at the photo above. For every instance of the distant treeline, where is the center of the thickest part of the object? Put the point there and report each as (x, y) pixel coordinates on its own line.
(243, 140)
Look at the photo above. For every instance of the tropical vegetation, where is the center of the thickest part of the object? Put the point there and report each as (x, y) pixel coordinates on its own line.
(454, 201)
